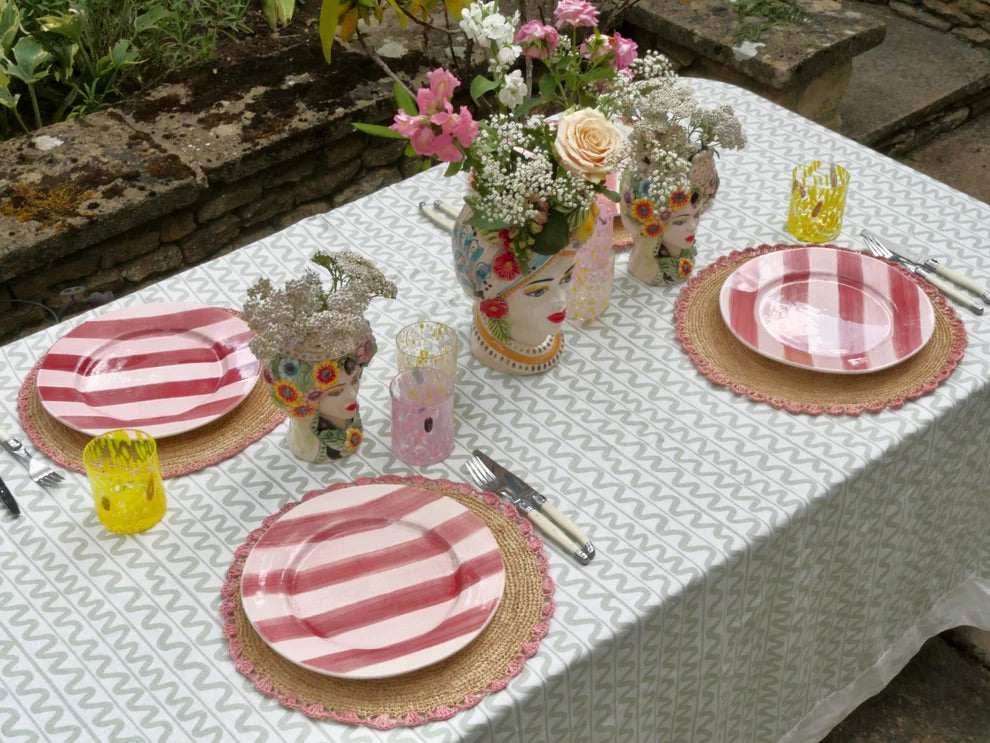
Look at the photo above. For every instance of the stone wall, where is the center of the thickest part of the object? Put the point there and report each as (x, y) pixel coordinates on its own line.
(95, 208)
(967, 19)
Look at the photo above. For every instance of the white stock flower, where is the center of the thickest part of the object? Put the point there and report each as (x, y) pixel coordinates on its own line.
(471, 19)
(513, 90)
(588, 144)
(506, 56)
(497, 29)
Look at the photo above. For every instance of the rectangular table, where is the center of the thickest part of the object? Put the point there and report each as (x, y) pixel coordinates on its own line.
(759, 573)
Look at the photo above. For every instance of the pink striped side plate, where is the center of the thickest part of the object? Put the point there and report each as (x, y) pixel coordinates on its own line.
(163, 368)
(372, 581)
(827, 309)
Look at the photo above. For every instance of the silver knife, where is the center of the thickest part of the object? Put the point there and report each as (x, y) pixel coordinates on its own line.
(8, 499)
(957, 278)
(928, 275)
(523, 489)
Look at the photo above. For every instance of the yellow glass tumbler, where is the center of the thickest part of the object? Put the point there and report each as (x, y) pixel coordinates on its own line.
(818, 201)
(126, 480)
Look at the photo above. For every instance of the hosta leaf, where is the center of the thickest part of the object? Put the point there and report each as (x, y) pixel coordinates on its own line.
(30, 57)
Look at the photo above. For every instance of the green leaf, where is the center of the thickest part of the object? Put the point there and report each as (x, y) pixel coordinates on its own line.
(484, 224)
(278, 12)
(7, 99)
(499, 327)
(10, 21)
(377, 130)
(548, 86)
(406, 102)
(149, 19)
(123, 54)
(481, 85)
(329, 15)
(453, 169)
(64, 25)
(555, 234)
(30, 56)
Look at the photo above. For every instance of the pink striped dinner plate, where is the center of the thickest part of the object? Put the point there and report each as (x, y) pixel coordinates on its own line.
(163, 368)
(827, 309)
(371, 581)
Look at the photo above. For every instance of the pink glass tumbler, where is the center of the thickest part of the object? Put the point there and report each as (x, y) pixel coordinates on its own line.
(422, 415)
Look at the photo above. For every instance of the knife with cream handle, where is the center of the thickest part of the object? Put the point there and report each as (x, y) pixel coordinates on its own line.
(522, 488)
(957, 278)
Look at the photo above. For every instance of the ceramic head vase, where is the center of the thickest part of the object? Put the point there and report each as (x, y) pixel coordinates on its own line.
(313, 343)
(518, 311)
(663, 231)
(320, 394)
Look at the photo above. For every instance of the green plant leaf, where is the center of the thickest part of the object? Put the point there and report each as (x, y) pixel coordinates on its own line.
(64, 25)
(406, 102)
(123, 54)
(30, 56)
(149, 19)
(278, 12)
(485, 225)
(377, 130)
(329, 14)
(10, 21)
(554, 235)
(7, 99)
(481, 85)
(548, 86)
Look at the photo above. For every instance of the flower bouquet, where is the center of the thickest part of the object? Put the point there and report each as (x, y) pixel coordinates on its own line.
(535, 166)
(669, 178)
(313, 343)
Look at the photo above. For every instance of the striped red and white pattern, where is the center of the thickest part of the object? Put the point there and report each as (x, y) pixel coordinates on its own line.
(826, 309)
(163, 368)
(373, 581)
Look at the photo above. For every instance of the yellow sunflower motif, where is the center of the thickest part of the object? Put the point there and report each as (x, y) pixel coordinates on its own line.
(353, 440)
(642, 209)
(685, 266)
(325, 374)
(286, 392)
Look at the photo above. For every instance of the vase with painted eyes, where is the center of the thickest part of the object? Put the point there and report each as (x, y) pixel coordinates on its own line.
(519, 302)
(663, 226)
(320, 394)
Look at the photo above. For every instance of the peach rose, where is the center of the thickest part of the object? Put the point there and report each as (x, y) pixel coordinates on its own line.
(588, 144)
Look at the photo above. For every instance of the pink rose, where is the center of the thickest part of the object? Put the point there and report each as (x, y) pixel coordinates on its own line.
(625, 51)
(538, 41)
(575, 13)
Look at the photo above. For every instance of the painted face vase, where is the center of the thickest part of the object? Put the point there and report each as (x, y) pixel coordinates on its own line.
(518, 310)
(320, 394)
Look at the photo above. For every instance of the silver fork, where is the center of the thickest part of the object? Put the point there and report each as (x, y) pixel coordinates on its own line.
(485, 479)
(40, 472)
(877, 248)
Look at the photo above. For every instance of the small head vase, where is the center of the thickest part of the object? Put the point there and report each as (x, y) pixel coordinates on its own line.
(320, 395)
(663, 230)
(518, 310)
(313, 343)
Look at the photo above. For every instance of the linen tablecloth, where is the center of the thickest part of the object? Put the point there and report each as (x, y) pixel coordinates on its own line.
(759, 572)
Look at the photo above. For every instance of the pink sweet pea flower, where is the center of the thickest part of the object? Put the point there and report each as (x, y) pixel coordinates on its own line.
(575, 13)
(625, 51)
(442, 83)
(462, 127)
(407, 125)
(538, 41)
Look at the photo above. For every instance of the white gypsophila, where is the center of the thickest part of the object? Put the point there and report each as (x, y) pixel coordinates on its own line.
(718, 126)
(513, 91)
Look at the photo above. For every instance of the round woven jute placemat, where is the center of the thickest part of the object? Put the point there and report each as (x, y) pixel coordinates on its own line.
(727, 362)
(438, 691)
(188, 452)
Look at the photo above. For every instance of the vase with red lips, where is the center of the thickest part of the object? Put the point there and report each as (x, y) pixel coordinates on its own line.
(519, 306)
(320, 394)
